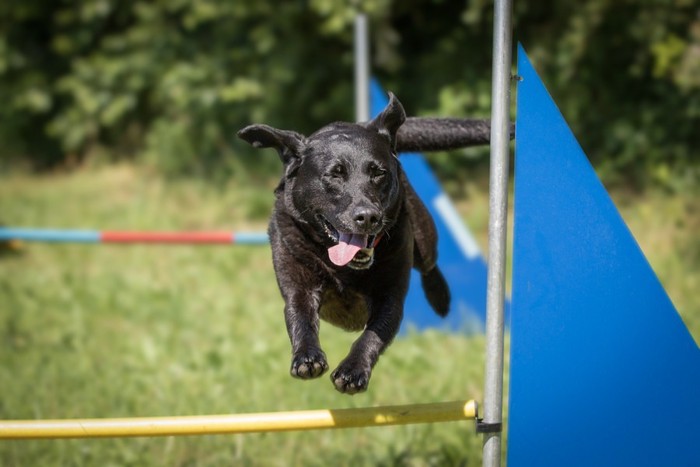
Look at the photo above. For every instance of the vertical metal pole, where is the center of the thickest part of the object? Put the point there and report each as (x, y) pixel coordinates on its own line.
(361, 68)
(498, 217)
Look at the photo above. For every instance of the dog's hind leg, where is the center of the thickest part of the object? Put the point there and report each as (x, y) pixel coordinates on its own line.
(425, 251)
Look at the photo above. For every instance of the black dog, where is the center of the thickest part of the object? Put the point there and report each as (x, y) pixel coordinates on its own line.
(346, 230)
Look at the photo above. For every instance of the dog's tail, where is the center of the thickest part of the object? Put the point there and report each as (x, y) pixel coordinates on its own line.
(440, 134)
(436, 291)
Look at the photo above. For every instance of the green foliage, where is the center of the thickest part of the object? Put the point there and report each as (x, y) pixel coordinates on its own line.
(618, 71)
(174, 80)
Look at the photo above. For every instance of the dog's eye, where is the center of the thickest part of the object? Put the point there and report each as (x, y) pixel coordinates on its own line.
(377, 173)
(338, 171)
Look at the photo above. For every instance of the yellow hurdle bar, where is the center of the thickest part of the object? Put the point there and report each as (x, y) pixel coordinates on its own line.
(239, 423)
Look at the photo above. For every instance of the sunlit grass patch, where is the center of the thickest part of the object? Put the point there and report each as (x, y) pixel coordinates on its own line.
(146, 330)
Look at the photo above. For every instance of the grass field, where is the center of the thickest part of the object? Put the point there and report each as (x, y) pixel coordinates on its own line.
(116, 331)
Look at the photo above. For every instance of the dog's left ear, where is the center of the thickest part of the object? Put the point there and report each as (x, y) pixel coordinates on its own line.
(387, 123)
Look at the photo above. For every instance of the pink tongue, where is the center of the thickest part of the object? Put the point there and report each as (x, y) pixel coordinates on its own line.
(348, 245)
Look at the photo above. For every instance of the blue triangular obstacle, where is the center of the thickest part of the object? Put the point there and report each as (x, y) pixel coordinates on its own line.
(603, 370)
(459, 256)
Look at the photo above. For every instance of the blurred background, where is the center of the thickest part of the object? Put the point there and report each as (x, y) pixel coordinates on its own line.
(123, 115)
(169, 82)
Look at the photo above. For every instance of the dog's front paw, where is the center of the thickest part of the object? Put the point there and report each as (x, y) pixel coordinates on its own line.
(351, 379)
(309, 364)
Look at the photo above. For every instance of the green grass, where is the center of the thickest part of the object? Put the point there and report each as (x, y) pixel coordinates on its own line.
(118, 331)
(666, 227)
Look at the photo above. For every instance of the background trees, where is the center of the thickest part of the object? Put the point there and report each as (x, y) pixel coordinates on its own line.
(170, 81)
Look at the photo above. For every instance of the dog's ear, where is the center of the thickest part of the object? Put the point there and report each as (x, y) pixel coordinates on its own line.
(387, 123)
(289, 144)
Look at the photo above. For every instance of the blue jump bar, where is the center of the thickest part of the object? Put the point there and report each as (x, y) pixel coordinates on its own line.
(251, 238)
(49, 235)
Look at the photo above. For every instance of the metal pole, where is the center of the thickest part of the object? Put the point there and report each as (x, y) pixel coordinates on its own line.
(361, 68)
(498, 217)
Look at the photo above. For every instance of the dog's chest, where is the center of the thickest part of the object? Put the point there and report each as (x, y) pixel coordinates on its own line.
(347, 310)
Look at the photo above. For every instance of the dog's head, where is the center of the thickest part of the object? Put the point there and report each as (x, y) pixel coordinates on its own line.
(342, 181)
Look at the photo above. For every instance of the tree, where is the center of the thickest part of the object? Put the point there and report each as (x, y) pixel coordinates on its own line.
(172, 81)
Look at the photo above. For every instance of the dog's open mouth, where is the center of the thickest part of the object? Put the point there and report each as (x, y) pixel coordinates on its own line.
(351, 249)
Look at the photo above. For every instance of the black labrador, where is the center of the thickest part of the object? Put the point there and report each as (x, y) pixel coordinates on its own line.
(348, 227)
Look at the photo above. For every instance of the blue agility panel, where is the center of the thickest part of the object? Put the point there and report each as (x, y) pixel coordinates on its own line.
(459, 256)
(603, 371)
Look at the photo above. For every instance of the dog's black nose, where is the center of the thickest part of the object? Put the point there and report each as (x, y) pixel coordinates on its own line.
(367, 218)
